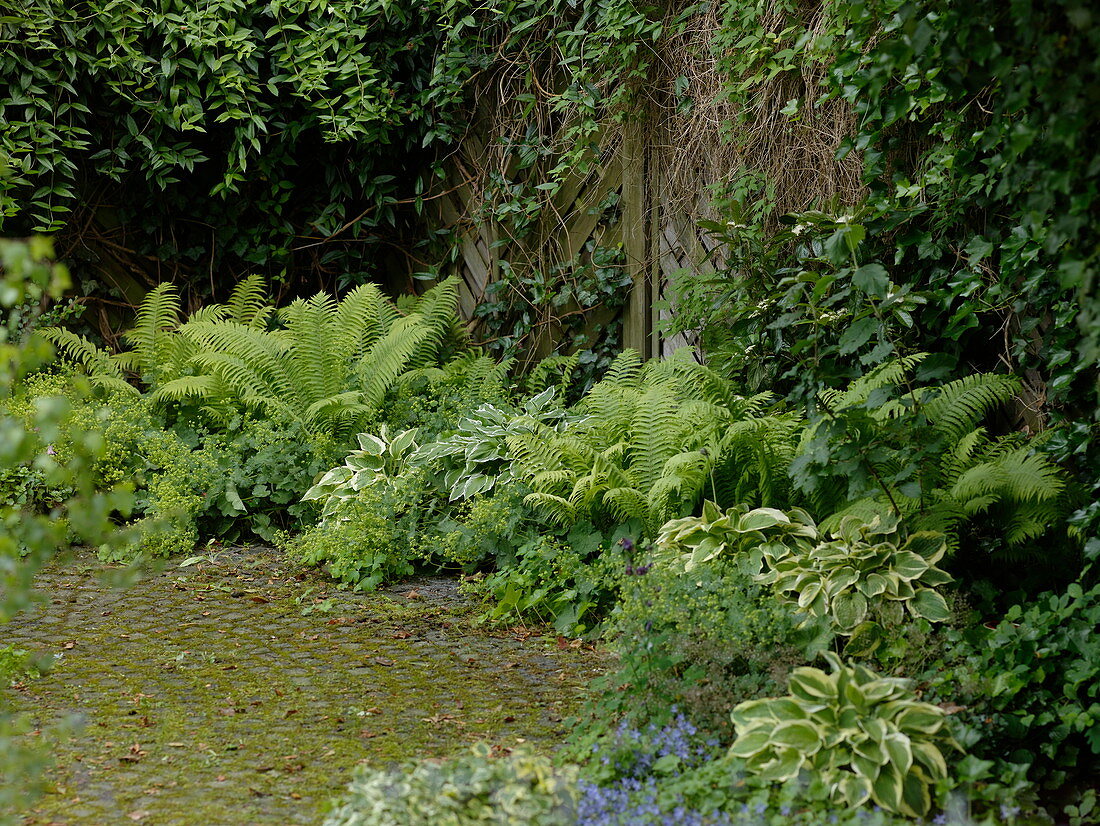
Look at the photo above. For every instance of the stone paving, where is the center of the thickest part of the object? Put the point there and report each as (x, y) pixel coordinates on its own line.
(241, 690)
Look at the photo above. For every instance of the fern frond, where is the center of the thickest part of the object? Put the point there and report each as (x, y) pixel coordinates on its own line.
(248, 304)
(99, 364)
(885, 375)
(958, 406)
(625, 370)
(156, 322)
(389, 357)
(555, 508)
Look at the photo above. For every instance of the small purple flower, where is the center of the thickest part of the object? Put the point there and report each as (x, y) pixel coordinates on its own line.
(628, 544)
(50, 451)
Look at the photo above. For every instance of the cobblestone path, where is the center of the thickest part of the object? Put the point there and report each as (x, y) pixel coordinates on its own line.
(240, 690)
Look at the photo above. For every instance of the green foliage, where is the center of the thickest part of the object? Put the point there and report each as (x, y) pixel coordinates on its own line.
(887, 444)
(569, 581)
(17, 664)
(379, 458)
(979, 211)
(867, 737)
(714, 534)
(697, 643)
(863, 570)
(286, 136)
(482, 529)
(477, 459)
(326, 364)
(644, 448)
(262, 468)
(373, 538)
(474, 787)
(1031, 685)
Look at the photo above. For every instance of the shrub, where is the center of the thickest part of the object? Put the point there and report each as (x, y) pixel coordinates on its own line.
(373, 538)
(1030, 687)
(864, 570)
(866, 737)
(701, 642)
(569, 581)
(471, 788)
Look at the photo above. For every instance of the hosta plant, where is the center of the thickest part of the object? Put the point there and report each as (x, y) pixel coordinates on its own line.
(868, 738)
(865, 568)
(700, 539)
(378, 456)
(477, 458)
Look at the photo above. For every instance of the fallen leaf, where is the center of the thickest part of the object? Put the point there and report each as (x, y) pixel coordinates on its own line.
(413, 595)
(401, 635)
(383, 661)
(140, 814)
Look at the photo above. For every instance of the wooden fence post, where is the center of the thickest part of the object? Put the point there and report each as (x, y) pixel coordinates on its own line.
(638, 330)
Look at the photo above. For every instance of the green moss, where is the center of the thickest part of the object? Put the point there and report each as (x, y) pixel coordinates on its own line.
(220, 684)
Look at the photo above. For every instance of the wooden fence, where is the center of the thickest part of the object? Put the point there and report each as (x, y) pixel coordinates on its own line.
(619, 204)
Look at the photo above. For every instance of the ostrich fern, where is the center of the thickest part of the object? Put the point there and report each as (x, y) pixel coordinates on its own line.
(646, 445)
(325, 363)
(963, 471)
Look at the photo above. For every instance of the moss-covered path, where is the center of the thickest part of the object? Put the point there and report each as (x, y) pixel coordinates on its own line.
(240, 690)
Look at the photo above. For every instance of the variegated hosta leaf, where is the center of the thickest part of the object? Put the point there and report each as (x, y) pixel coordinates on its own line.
(867, 737)
(857, 573)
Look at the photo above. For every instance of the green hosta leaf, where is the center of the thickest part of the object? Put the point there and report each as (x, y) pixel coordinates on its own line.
(854, 789)
(813, 684)
(849, 610)
(751, 742)
(785, 766)
(915, 794)
(888, 787)
(753, 712)
(762, 519)
(929, 756)
(807, 594)
(929, 605)
(919, 717)
(865, 640)
(874, 585)
(842, 579)
(797, 734)
(934, 576)
(372, 445)
(908, 565)
(900, 749)
(929, 545)
(403, 442)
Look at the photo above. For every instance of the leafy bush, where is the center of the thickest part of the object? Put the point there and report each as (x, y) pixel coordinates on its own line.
(738, 530)
(471, 788)
(866, 737)
(863, 570)
(379, 458)
(1030, 687)
(886, 444)
(699, 642)
(569, 581)
(477, 458)
(373, 538)
(262, 468)
(646, 444)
